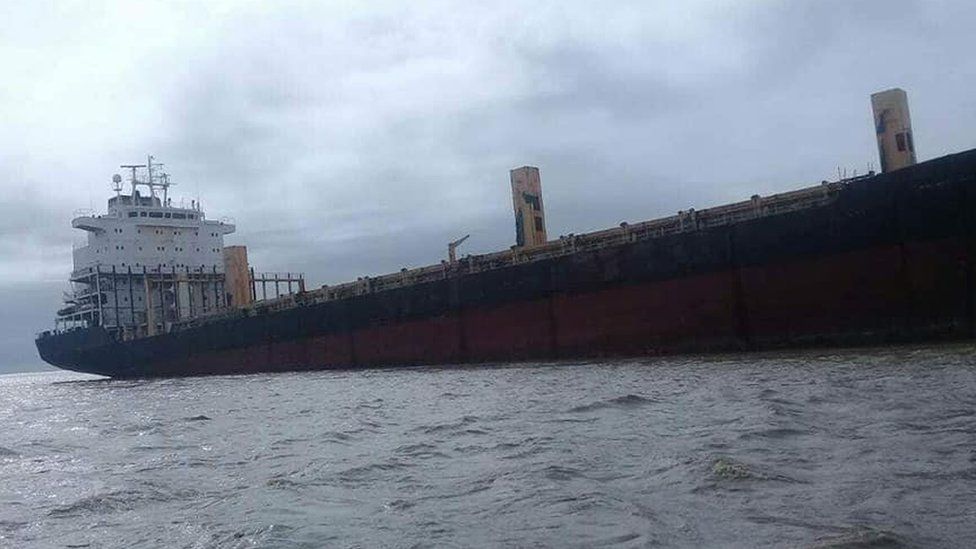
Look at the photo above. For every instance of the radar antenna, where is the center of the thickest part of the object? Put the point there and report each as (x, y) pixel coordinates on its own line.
(155, 178)
(117, 184)
(133, 180)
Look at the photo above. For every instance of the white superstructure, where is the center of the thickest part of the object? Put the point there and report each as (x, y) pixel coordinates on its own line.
(146, 263)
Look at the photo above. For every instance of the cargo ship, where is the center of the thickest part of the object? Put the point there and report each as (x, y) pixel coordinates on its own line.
(879, 258)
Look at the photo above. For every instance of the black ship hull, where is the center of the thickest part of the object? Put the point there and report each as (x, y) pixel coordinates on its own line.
(890, 260)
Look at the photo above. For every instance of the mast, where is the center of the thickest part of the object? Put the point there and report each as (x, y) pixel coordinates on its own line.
(134, 181)
(153, 179)
(149, 170)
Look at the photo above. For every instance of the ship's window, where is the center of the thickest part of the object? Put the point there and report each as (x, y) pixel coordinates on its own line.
(167, 216)
(133, 214)
(900, 141)
(179, 216)
(911, 145)
(538, 223)
(192, 216)
(155, 214)
(142, 214)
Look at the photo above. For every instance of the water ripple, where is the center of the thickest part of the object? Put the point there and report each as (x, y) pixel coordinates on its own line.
(828, 449)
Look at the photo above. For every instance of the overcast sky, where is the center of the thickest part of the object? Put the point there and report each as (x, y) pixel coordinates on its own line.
(351, 138)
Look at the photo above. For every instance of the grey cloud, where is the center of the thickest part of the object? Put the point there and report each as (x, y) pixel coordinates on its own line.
(361, 142)
(27, 309)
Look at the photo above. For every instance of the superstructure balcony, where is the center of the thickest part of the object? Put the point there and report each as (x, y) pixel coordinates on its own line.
(89, 223)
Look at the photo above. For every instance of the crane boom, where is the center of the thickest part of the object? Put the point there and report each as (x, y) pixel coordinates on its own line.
(452, 247)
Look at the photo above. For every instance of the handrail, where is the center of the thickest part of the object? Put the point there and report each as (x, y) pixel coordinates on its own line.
(685, 221)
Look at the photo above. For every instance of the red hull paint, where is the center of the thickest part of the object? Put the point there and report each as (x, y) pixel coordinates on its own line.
(937, 277)
(432, 340)
(647, 318)
(882, 290)
(847, 292)
(508, 332)
(331, 349)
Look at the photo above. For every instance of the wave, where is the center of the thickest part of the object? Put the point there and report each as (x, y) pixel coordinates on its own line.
(338, 437)
(626, 401)
(451, 426)
(121, 500)
(11, 525)
(369, 471)
(775, 433)
(559, 472)
(420, 450)
(400, 505)
(862, 538)
(281, 482)
(141, 429)
(272, 535)
(109, 502)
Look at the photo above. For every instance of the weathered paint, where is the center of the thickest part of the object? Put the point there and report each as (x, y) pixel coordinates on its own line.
(890, 260)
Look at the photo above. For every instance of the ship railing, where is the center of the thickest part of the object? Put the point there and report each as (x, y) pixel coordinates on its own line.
(684, 221)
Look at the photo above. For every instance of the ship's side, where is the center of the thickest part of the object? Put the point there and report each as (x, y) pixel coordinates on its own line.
(888, 258)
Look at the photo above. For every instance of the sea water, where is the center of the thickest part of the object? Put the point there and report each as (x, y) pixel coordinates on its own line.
(864, 448)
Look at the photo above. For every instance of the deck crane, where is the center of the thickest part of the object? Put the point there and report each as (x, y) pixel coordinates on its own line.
(452, 247)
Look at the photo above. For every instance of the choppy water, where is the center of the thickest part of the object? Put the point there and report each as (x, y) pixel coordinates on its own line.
(826, 449)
